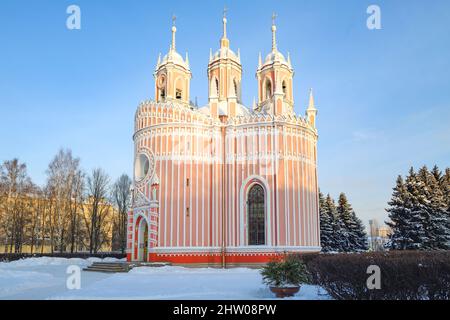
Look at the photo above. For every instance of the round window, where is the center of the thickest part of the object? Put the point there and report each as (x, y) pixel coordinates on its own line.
(141, 167)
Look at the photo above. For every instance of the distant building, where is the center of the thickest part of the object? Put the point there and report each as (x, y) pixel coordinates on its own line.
(378, 235)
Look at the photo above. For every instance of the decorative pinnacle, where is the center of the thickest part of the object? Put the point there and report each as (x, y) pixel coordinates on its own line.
(274, 33)
(311, 105)
(174, 30)
(225, 10)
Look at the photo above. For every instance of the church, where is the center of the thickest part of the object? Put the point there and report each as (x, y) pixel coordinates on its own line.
(223, 184)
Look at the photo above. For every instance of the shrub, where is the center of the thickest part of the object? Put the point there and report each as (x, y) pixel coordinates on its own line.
(406, 275)
(285, 272)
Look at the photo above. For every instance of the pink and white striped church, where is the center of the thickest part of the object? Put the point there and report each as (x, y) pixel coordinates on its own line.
(223, 184)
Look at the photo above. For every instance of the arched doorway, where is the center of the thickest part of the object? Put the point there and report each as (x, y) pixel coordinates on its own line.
(142, 241)
(256, 216)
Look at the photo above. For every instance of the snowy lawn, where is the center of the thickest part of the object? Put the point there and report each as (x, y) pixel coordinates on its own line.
(45, 278)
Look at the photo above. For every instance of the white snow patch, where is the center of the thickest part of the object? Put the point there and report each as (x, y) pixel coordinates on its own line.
(45, 278)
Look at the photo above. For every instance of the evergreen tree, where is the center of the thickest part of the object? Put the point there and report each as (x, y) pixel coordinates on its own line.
(406, 213)
(445, 187)
(352, 233)
(434, 207)
(362, 243)
(326, 225)
(399, 214)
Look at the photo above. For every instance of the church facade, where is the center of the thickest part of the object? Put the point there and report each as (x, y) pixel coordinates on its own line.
(223, 184)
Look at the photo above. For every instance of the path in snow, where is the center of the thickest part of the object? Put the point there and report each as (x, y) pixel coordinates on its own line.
(45, 278)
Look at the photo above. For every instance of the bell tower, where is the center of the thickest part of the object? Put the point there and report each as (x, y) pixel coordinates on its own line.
(173, 75)
(224, 77)
(274, 77)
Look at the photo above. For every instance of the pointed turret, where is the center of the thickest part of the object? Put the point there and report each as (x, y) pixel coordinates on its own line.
(311, 111)
(159, 60)
(187, 59)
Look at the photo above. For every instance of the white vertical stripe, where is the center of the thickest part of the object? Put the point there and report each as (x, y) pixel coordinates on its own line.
(203, 196)
(191, 194)
(171, 194)
(286, 193)
(177, 186)
(294, 223)
(166, 183)
(183, 211)
(197, 227)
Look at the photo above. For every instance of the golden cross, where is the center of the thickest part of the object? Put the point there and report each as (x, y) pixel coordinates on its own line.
(274, 16)
(225, 10)
(174, 19)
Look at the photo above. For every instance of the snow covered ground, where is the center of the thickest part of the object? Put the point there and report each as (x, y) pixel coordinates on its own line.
(45, 278)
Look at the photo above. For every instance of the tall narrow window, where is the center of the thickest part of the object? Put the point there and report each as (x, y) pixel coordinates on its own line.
(268, 89)
(284, 88)
(256, 216)
(178, 94)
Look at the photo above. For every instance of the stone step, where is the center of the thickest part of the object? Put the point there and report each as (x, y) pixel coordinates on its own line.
(108, 267)
(111, 265)
(106, 270)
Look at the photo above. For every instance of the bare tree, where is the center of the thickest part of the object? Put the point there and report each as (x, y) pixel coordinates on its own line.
(15, 187)
(65, 190)
(97, 210)
(121, 195)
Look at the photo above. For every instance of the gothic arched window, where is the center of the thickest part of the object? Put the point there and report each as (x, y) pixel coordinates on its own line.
(268, 89)
(217, 86)
(236, 89)
(256, 216)
(284, 88)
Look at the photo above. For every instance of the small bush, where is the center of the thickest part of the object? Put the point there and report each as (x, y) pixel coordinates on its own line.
(405, 275)
(285, 272)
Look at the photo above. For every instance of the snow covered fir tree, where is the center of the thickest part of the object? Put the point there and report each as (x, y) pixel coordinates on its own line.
(419, 211)
(340, 229)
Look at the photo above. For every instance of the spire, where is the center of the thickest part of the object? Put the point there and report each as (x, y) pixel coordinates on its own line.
(210, 55)
(224, 22)
(311, 105)
(254, 103)
(187, 59)
(224, 42)
(274, 33)
(311, 112)
(239, 54)
(289, 60)
(174, 31)
(259, 61)
(159, 59)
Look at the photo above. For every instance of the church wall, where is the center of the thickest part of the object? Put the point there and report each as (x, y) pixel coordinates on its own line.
(187, 145)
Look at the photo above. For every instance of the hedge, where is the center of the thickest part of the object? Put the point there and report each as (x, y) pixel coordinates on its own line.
(405, 275)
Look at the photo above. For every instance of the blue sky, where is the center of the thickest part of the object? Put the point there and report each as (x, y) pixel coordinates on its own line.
(383, 95)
